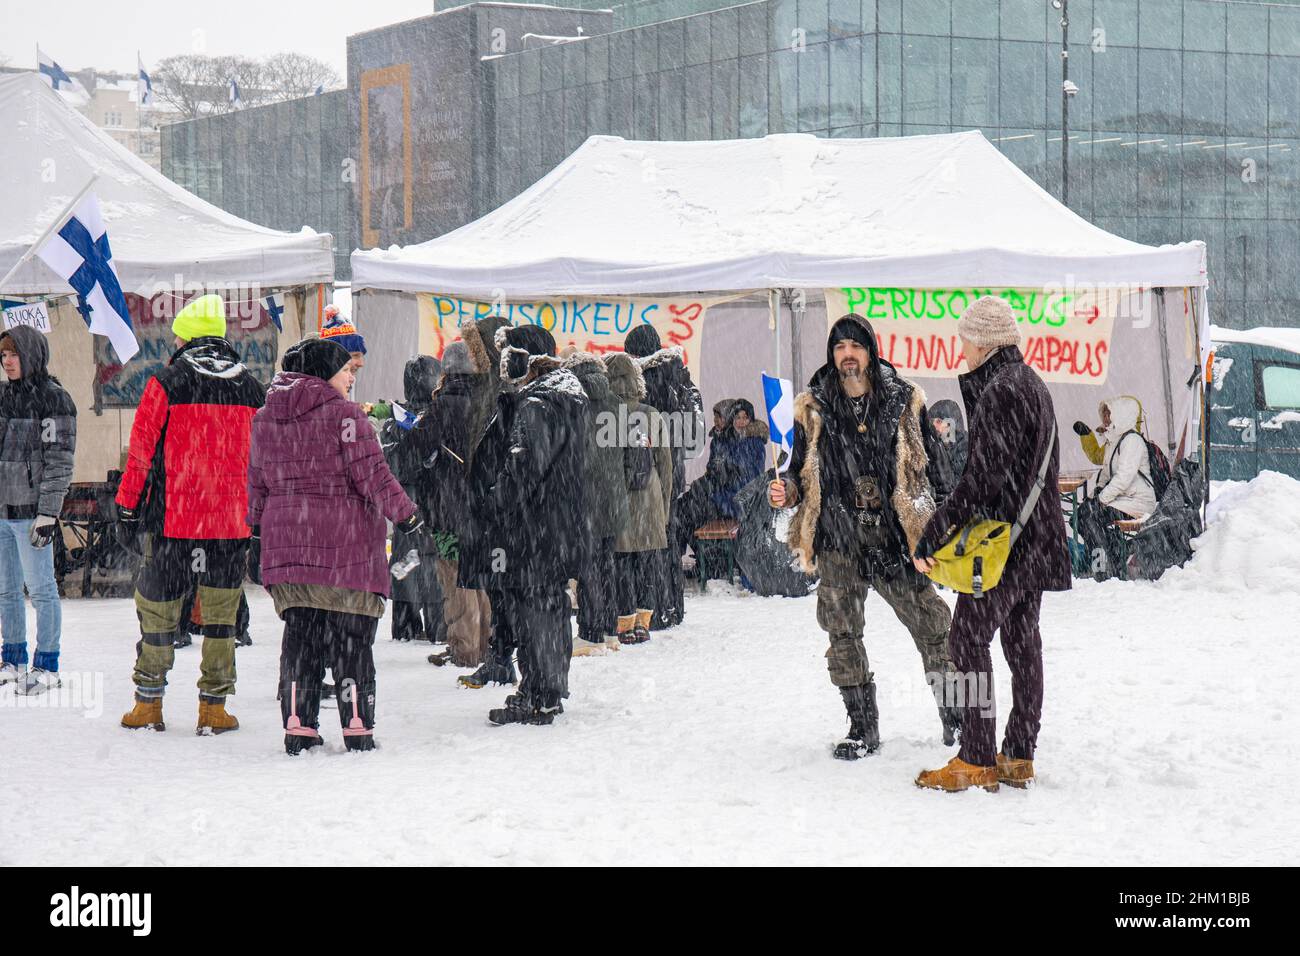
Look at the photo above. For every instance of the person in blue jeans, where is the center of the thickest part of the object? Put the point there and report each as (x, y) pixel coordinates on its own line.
(38, 438)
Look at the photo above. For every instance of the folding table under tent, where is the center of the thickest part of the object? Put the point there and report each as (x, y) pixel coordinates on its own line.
(168, 245)
(739, 250)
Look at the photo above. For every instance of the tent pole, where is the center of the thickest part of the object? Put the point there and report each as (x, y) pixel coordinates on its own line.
(774, 322)
(796, 299)
(1164, 369)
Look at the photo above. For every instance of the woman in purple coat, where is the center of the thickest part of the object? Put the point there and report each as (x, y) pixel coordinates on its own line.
(319, 490)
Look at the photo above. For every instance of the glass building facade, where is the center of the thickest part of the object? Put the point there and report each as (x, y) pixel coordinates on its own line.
(1186, 123)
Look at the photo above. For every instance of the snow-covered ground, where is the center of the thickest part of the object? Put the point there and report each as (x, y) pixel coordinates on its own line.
(1169, 715)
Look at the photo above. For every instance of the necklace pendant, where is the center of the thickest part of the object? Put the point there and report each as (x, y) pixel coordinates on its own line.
(861, 428)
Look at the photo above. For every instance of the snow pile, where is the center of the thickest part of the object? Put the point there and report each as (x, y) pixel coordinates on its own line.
(1251, 540)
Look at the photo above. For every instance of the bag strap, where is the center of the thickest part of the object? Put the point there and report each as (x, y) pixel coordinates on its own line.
(1032, 501)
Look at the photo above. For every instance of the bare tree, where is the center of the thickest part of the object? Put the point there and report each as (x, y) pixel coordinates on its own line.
(198, 85)
(291, 75)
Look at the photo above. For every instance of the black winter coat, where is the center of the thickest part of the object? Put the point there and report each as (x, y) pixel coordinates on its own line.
(38, 433)
(1011, 415)
(528, 489)
(441, 437)
(669, 390)
(607, 498)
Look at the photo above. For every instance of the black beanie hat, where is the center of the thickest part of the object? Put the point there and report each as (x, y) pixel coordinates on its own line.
(322, 358)
(642, 341)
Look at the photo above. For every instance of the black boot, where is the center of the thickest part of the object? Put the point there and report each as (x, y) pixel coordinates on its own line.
(491, 671)
(295, 744)
(519, 711)
(864, 722)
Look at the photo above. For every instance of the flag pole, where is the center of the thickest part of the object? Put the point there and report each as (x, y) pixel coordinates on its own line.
(53, 228)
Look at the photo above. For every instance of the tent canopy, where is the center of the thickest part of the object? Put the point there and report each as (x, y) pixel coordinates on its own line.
(157, 230)
(787, 210)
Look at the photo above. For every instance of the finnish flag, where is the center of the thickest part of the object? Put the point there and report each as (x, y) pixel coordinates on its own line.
(778, 395)
(80, 254)
(235, 101)
(57, 77)
(274, 305)
(404, 418)
(144, 86)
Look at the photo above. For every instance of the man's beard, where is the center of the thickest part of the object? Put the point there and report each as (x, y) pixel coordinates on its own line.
(849, 373)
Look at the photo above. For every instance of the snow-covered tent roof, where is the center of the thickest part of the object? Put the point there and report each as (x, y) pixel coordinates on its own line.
(788, 210)
(157, 229)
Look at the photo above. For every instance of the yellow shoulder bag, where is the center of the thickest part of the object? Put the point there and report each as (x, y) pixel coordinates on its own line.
(972, 560)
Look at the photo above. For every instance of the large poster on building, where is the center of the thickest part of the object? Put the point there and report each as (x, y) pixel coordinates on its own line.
(248, 328)
(588, 323)
(1067, 330)
(386, 177)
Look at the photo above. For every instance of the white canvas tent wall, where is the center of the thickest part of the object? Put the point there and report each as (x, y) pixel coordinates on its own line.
(793, 211)
(162, 236)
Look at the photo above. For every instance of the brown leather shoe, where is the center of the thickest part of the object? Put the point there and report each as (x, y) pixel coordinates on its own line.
(213, 719)
(145, 714)
(1015, 772)
(959, 775)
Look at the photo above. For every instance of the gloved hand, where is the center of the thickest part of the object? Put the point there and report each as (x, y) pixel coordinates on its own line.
(128, 529)
(1081, 429)
(412, 524)
(380, 410)
(255, 555)
(42, 531)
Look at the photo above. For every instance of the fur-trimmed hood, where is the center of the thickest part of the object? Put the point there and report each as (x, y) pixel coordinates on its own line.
(662, 357)
(538, 364)
(626, 379)
(480, 339)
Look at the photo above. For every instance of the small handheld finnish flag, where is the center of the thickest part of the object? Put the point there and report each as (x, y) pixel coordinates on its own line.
(778, 395)
(80, 254)
(403, 418)
(274, 305)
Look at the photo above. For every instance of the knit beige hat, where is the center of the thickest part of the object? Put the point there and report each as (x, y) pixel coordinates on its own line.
(989, 322)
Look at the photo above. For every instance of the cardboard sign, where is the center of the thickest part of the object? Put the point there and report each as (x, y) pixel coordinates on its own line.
(31, 313)
(593, 324)
(1066, 331)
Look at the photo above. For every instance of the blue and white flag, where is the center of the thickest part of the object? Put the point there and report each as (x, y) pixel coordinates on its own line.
(80, 254)
(274, 305)
(57, 77)
(235, 101)
(404, 418)
(778, 395)
(144, 86)
(320, 89)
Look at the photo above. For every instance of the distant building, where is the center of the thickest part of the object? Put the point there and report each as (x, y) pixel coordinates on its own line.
(1185, 125)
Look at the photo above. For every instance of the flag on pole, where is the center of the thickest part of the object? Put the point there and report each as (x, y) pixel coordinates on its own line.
(57, 77)
(80, 254)
(235, 101)
(778, 395)
(320, 89)
(144, 86)
(274, 305)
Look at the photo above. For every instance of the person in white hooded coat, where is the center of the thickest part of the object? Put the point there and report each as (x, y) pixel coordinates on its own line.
(1124, 488)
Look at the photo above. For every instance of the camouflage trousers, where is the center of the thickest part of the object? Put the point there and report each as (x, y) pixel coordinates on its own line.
(841, 598)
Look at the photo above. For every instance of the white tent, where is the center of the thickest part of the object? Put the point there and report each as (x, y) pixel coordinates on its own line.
(168, 245)
(898, 219)
(157, 229)
(785, 211)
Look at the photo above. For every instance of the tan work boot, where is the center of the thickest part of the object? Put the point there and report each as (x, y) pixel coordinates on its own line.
(145, 714)
(213, 719)
(1015, 771)
(642, 627)
(626, 622)
(959, 775)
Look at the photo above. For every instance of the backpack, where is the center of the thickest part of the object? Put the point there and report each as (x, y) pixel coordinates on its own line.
(1157, 463)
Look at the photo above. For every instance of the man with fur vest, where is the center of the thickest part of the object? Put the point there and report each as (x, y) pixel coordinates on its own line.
(865, 475)
(529, 532)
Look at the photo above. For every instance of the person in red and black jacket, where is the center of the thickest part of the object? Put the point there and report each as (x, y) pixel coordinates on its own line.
(186, 487)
